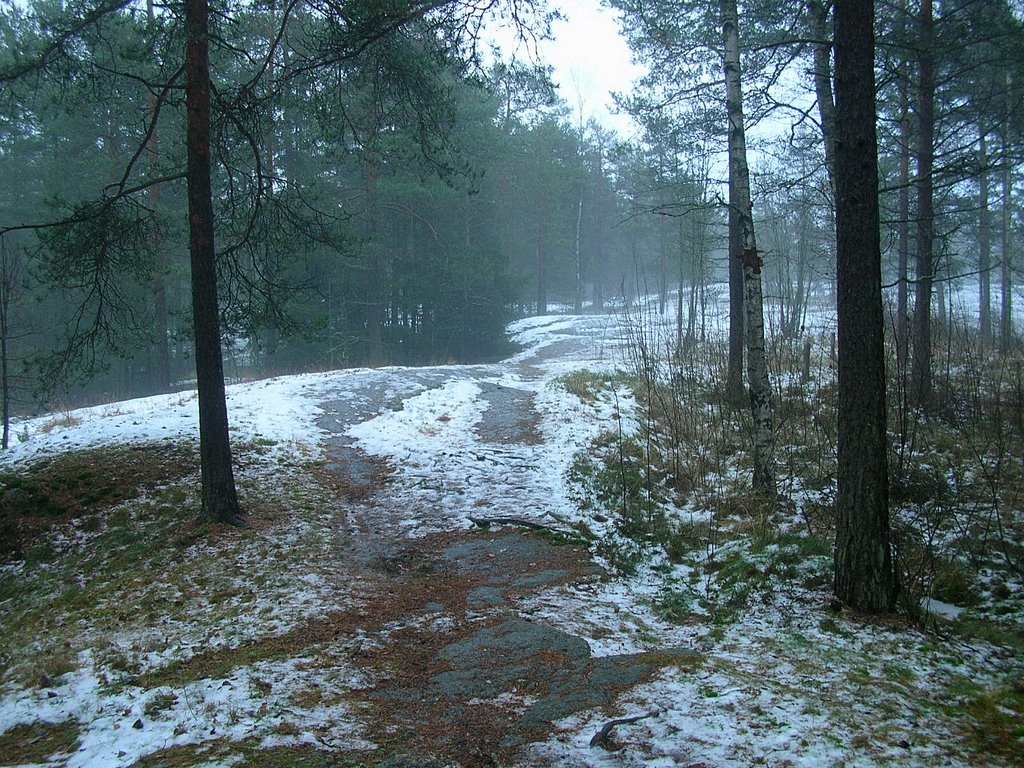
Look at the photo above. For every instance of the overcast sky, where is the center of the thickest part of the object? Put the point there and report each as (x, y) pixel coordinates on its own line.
(591, 60)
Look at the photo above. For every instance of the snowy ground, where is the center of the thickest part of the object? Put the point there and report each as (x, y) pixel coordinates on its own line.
(783, 682)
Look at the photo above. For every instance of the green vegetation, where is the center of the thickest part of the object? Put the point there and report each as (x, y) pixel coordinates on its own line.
(79, 486)
(589, 386)
(122, 565)
(38, 742)
(666, 501)
(249, 754)
(997, 720)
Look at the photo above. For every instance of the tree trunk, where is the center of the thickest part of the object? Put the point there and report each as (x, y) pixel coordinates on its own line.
(903, 235)
(161, 376)
(864, 576)
(1006, 271)
(734, 379)
(679, 295)
(597, 265)
(578, 292)
(803, 282)
(220, 500)
(662, 268)
(696, 274)
(921, 367)
(984, 248)
(817, 13)
(8, 270)
(542, 265)
(161, 368)
(375, 275)
(757, 364)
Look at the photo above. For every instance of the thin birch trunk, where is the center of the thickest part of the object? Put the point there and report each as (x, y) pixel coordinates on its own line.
(757, 363)
(734, 390)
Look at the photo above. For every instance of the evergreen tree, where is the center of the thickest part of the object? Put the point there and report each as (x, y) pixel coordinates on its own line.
(864, 576)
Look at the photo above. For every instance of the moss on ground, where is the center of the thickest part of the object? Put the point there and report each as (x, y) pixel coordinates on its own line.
(39, 742)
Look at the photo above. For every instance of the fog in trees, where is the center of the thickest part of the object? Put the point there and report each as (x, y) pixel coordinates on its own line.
(369, 185)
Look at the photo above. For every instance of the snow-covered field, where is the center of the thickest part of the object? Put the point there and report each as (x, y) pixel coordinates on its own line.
(784, 681)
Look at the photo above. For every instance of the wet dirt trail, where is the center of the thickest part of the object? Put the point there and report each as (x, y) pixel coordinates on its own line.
(461, 675)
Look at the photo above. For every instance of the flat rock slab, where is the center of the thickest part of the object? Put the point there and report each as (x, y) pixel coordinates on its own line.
(517, 561)
(511, 415)
(467, 679)
(551, 668)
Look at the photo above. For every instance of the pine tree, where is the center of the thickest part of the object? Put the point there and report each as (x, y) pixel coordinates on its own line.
(863, 567)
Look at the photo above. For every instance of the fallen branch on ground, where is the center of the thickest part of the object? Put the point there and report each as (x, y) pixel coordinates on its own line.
(487, 522)
(602, 735)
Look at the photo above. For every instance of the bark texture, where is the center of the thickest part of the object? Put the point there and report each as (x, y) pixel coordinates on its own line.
(220, 500)
(1006, 271)
(864, 575)
(734, 384)
(984, 247)
(903, 236)
(161, 366)
(921, 367)
(757, 364)
(817, 15)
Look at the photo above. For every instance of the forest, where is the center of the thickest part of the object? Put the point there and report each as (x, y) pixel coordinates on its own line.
(761, 356)
(388, 192)
(387, 203)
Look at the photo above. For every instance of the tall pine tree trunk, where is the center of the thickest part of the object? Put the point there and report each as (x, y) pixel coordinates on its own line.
(1006, 270)
(8, 279)
(578, 254)
(864, 575)
(757, 364)
(817, 12)
(984, 247)
(921, 366)
(375, 313)
(903, 235)
(679, 295)
(542, 265)
(220, 500)
(662, 268)
(597, 264)
(161, 368)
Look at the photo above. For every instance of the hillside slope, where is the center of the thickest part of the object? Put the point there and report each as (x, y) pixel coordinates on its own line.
(425, 581)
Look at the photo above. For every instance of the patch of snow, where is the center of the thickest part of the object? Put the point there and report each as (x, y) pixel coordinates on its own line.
(939, 608)
(787, 683)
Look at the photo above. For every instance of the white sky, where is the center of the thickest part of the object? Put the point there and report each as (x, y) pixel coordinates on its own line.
(591, 60)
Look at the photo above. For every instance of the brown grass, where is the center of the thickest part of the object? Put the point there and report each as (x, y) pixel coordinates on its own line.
(52, 492)
(38, 742)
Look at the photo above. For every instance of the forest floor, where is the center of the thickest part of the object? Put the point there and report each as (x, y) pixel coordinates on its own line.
(425, 580)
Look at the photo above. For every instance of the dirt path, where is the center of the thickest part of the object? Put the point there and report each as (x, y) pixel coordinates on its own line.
(462, 675)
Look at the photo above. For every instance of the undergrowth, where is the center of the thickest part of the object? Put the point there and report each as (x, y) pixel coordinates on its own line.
(77, 487)
(670, 497)
(39, 742)
(122, 555)
(676, 484)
